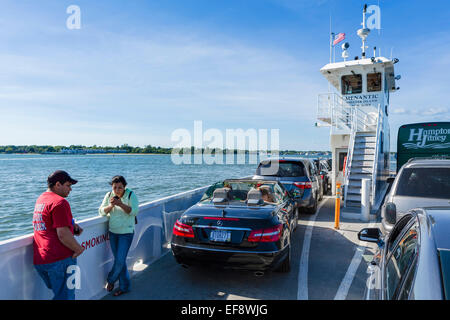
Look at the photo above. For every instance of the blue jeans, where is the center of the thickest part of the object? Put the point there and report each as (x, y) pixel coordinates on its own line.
(55, 277)
(120, 244)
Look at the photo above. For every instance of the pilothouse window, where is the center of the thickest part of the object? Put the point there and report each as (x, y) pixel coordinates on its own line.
(351, 84)
(373, 82)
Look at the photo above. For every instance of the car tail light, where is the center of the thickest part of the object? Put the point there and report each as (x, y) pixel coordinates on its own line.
(266, 235)
(303, 185)
(183, 230)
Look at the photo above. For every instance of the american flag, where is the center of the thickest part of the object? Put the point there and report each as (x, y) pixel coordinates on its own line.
(338, 38)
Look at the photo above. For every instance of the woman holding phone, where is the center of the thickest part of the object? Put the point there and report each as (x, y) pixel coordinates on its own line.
(121, 206)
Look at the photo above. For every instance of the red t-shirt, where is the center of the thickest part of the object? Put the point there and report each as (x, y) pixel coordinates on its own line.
(50, 212)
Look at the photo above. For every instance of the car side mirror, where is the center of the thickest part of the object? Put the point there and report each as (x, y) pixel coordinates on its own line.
(390, 180)
(390, 213)
(370, 235)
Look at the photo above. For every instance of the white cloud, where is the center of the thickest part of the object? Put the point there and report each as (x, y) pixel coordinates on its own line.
(399, 111)
(432, 111)
(435, 111)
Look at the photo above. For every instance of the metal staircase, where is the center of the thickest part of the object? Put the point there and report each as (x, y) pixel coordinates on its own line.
(364, 129)
(361, 165)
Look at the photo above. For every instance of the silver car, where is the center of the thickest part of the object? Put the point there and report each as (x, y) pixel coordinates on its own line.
(419, 183)
(413, 261)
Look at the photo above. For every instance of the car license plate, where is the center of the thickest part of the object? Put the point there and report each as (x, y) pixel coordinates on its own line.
(220, 236)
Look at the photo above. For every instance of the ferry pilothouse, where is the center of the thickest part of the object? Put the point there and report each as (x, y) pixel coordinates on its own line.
(357, 114)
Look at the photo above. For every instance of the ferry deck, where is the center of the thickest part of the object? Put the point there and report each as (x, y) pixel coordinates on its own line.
(326, 263)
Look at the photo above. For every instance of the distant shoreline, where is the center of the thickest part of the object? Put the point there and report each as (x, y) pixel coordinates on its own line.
(127, 149)
(145, 154)
(87, 154)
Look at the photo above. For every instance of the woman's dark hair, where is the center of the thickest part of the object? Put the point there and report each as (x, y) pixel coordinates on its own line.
(264, 191)
(117, 179)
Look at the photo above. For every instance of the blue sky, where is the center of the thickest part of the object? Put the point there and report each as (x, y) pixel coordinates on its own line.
(138, 70)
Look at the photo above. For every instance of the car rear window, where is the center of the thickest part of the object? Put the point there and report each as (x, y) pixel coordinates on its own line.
(285, 169)
(425, 183)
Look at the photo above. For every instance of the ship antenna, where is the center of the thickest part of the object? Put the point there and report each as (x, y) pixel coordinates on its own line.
(364, 32)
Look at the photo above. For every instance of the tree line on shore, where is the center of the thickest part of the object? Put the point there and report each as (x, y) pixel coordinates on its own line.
(123, 149)
(51, 149)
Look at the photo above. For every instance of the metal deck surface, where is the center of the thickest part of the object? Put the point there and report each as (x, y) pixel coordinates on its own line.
(326, 264)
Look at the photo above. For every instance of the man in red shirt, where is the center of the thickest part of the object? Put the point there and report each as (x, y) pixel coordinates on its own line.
(55, 248)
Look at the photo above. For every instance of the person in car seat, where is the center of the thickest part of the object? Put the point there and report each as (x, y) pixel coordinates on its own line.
(266, 194)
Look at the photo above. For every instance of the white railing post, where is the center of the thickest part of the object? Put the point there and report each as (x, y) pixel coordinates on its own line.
(365, 199)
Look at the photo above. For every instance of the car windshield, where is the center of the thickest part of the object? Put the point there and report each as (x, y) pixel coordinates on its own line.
(285, 169)
(238, 191)
(425, 183)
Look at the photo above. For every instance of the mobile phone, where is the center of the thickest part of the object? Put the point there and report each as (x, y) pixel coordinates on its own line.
(116, 197)
(76, 231)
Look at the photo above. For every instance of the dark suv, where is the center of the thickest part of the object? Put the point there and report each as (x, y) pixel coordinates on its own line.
(325, 174)
(298, 176)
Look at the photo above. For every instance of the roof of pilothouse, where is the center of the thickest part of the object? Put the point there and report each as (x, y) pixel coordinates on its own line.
(334, 71)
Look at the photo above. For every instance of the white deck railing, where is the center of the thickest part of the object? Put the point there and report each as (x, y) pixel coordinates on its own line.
(332, 109)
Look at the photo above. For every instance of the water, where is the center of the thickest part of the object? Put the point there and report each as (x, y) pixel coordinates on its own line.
(23, 178)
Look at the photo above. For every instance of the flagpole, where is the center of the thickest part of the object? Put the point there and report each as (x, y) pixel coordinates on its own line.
(334, 54)
(331, 46)
(331, 51)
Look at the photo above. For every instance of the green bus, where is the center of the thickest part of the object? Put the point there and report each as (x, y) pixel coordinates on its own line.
(422, 140)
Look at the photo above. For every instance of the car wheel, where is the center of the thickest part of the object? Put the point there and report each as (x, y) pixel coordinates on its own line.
(313, 209)
(286, 264)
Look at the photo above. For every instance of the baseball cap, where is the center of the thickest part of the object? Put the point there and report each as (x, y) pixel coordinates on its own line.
(61, 177)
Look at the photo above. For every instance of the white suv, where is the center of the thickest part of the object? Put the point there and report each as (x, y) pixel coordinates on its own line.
(419, 183)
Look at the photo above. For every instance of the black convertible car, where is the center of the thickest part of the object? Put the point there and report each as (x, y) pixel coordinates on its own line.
(238, 223)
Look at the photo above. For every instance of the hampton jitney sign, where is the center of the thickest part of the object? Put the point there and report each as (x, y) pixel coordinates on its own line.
(423, 140)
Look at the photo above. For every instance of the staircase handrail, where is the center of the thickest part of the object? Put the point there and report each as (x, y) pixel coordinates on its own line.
(375, 157)
(359, 121)
(351, 146)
